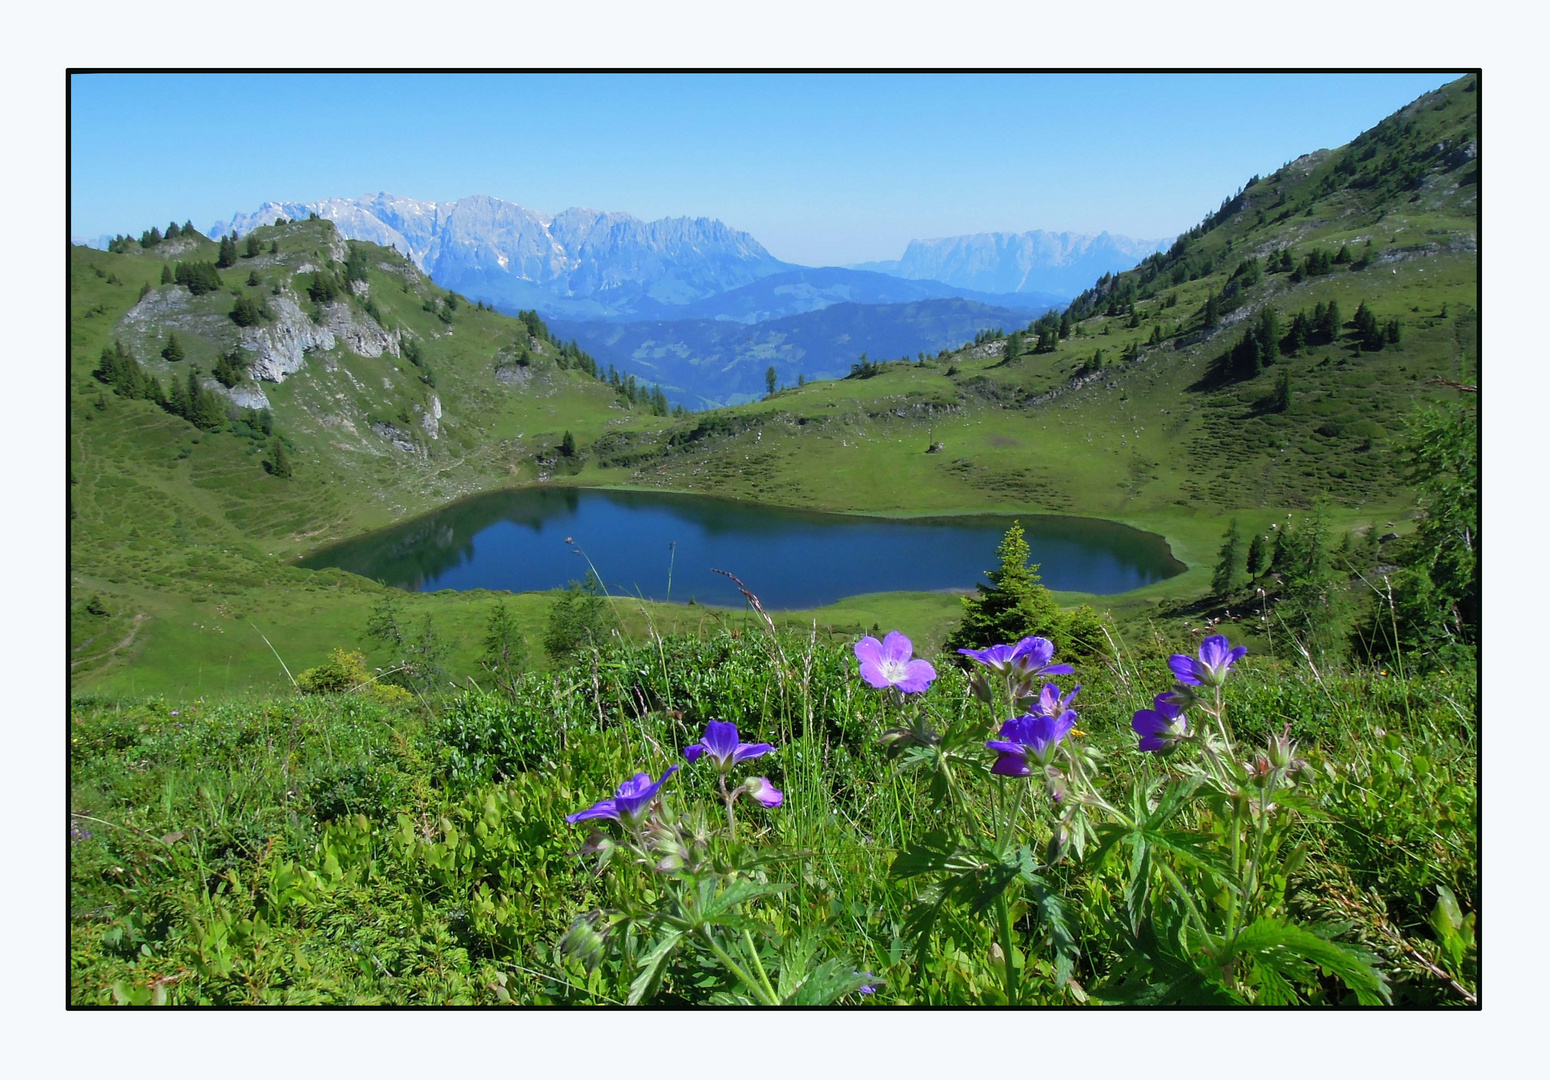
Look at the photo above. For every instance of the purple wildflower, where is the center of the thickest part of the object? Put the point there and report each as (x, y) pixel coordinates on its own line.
(887, 663)
(1051, 702)
(761, 789)
(1028, 659)
(720, 742)
(1216, 656)
(1028, 738)
(629, 802)
(1160, 727)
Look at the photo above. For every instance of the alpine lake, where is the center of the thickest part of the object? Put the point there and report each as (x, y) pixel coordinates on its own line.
(661, 546)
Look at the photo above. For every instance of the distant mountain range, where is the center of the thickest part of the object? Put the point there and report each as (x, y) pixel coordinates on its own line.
(710, 362)
(669, 300)
(578, 263)
(587, 264)
(1030, 262)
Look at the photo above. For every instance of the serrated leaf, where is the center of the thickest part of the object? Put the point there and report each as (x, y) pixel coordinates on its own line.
(651, 966)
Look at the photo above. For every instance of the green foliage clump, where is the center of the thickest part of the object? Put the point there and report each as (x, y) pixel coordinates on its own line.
(250, 312)
(579, 617)
(198, 277)
(345, 672)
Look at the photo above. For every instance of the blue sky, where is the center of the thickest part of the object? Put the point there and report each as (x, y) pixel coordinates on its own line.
(821, 169)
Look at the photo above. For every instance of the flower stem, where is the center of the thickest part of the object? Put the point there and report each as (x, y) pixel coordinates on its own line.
(758, 966)
(1004, 915)
(765, 998)
(727, 798)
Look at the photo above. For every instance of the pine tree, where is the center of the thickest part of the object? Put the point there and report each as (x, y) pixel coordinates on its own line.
(254, 247)
(578, 618)
(1227, 561)
(172, 352)
(1281, 400)
(568, 445)
(172, 231)
(166, 274)
(505, 650)
(1332, 324)
(1013, 606)
(278, 463)
(228, 253)
(1255, 564)
(1211, 314)
(769, 379)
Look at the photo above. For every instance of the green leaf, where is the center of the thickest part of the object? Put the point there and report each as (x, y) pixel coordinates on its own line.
(1293, 952)
(651, 966)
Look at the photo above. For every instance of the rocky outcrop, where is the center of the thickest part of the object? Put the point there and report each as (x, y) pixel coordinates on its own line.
(401, 439)
(280, 348)
(430, 417)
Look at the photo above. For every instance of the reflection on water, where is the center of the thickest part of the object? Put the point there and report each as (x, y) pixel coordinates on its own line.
(523, 540)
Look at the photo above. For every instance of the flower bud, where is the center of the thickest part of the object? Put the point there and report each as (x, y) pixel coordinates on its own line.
(1259, 770)
(1059, 841)
(979, 684)
(1282, 749)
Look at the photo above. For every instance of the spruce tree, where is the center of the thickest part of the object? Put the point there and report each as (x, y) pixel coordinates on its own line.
(1227, 561)
(568, 445)
(505, 650)
(1255, 564)
(166, 274)
(172, 352)
(769, 379)
(278, 463)
(1013, 606)
(228, 253)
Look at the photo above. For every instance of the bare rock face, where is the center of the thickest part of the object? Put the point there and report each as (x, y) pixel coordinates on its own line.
(401, 439)
(430, 418)
(281, 347)
(245, 396)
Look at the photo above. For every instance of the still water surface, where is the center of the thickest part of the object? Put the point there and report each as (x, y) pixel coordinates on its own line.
(526, 539)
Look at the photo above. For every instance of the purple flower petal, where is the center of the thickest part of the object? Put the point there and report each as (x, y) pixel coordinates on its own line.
(1033, 652)
(869, 651)
(721, 739)
(917, 677)
(1185, 669)
(605, 809)
(748, 751)
(636, 793)
(766, 792)
(693, 752)
(897, 648)
(1149, 722)
(1011, 765)
(1214, 651)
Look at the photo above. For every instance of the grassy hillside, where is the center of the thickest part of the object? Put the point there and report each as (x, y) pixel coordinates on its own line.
(1129, 408)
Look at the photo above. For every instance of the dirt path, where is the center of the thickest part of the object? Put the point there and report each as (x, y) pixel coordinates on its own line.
(129, 639)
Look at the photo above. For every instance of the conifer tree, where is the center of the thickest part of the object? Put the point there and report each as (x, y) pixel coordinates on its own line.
(228, 253)
(166, 274)
(172, 230)
(568, 445)
(1255, 563)
(769, 379)
(278, 463)
(253, 247)
(172, 352)
(1227, 561)
(1281, 400)
(505, 650)
(1013, 606)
